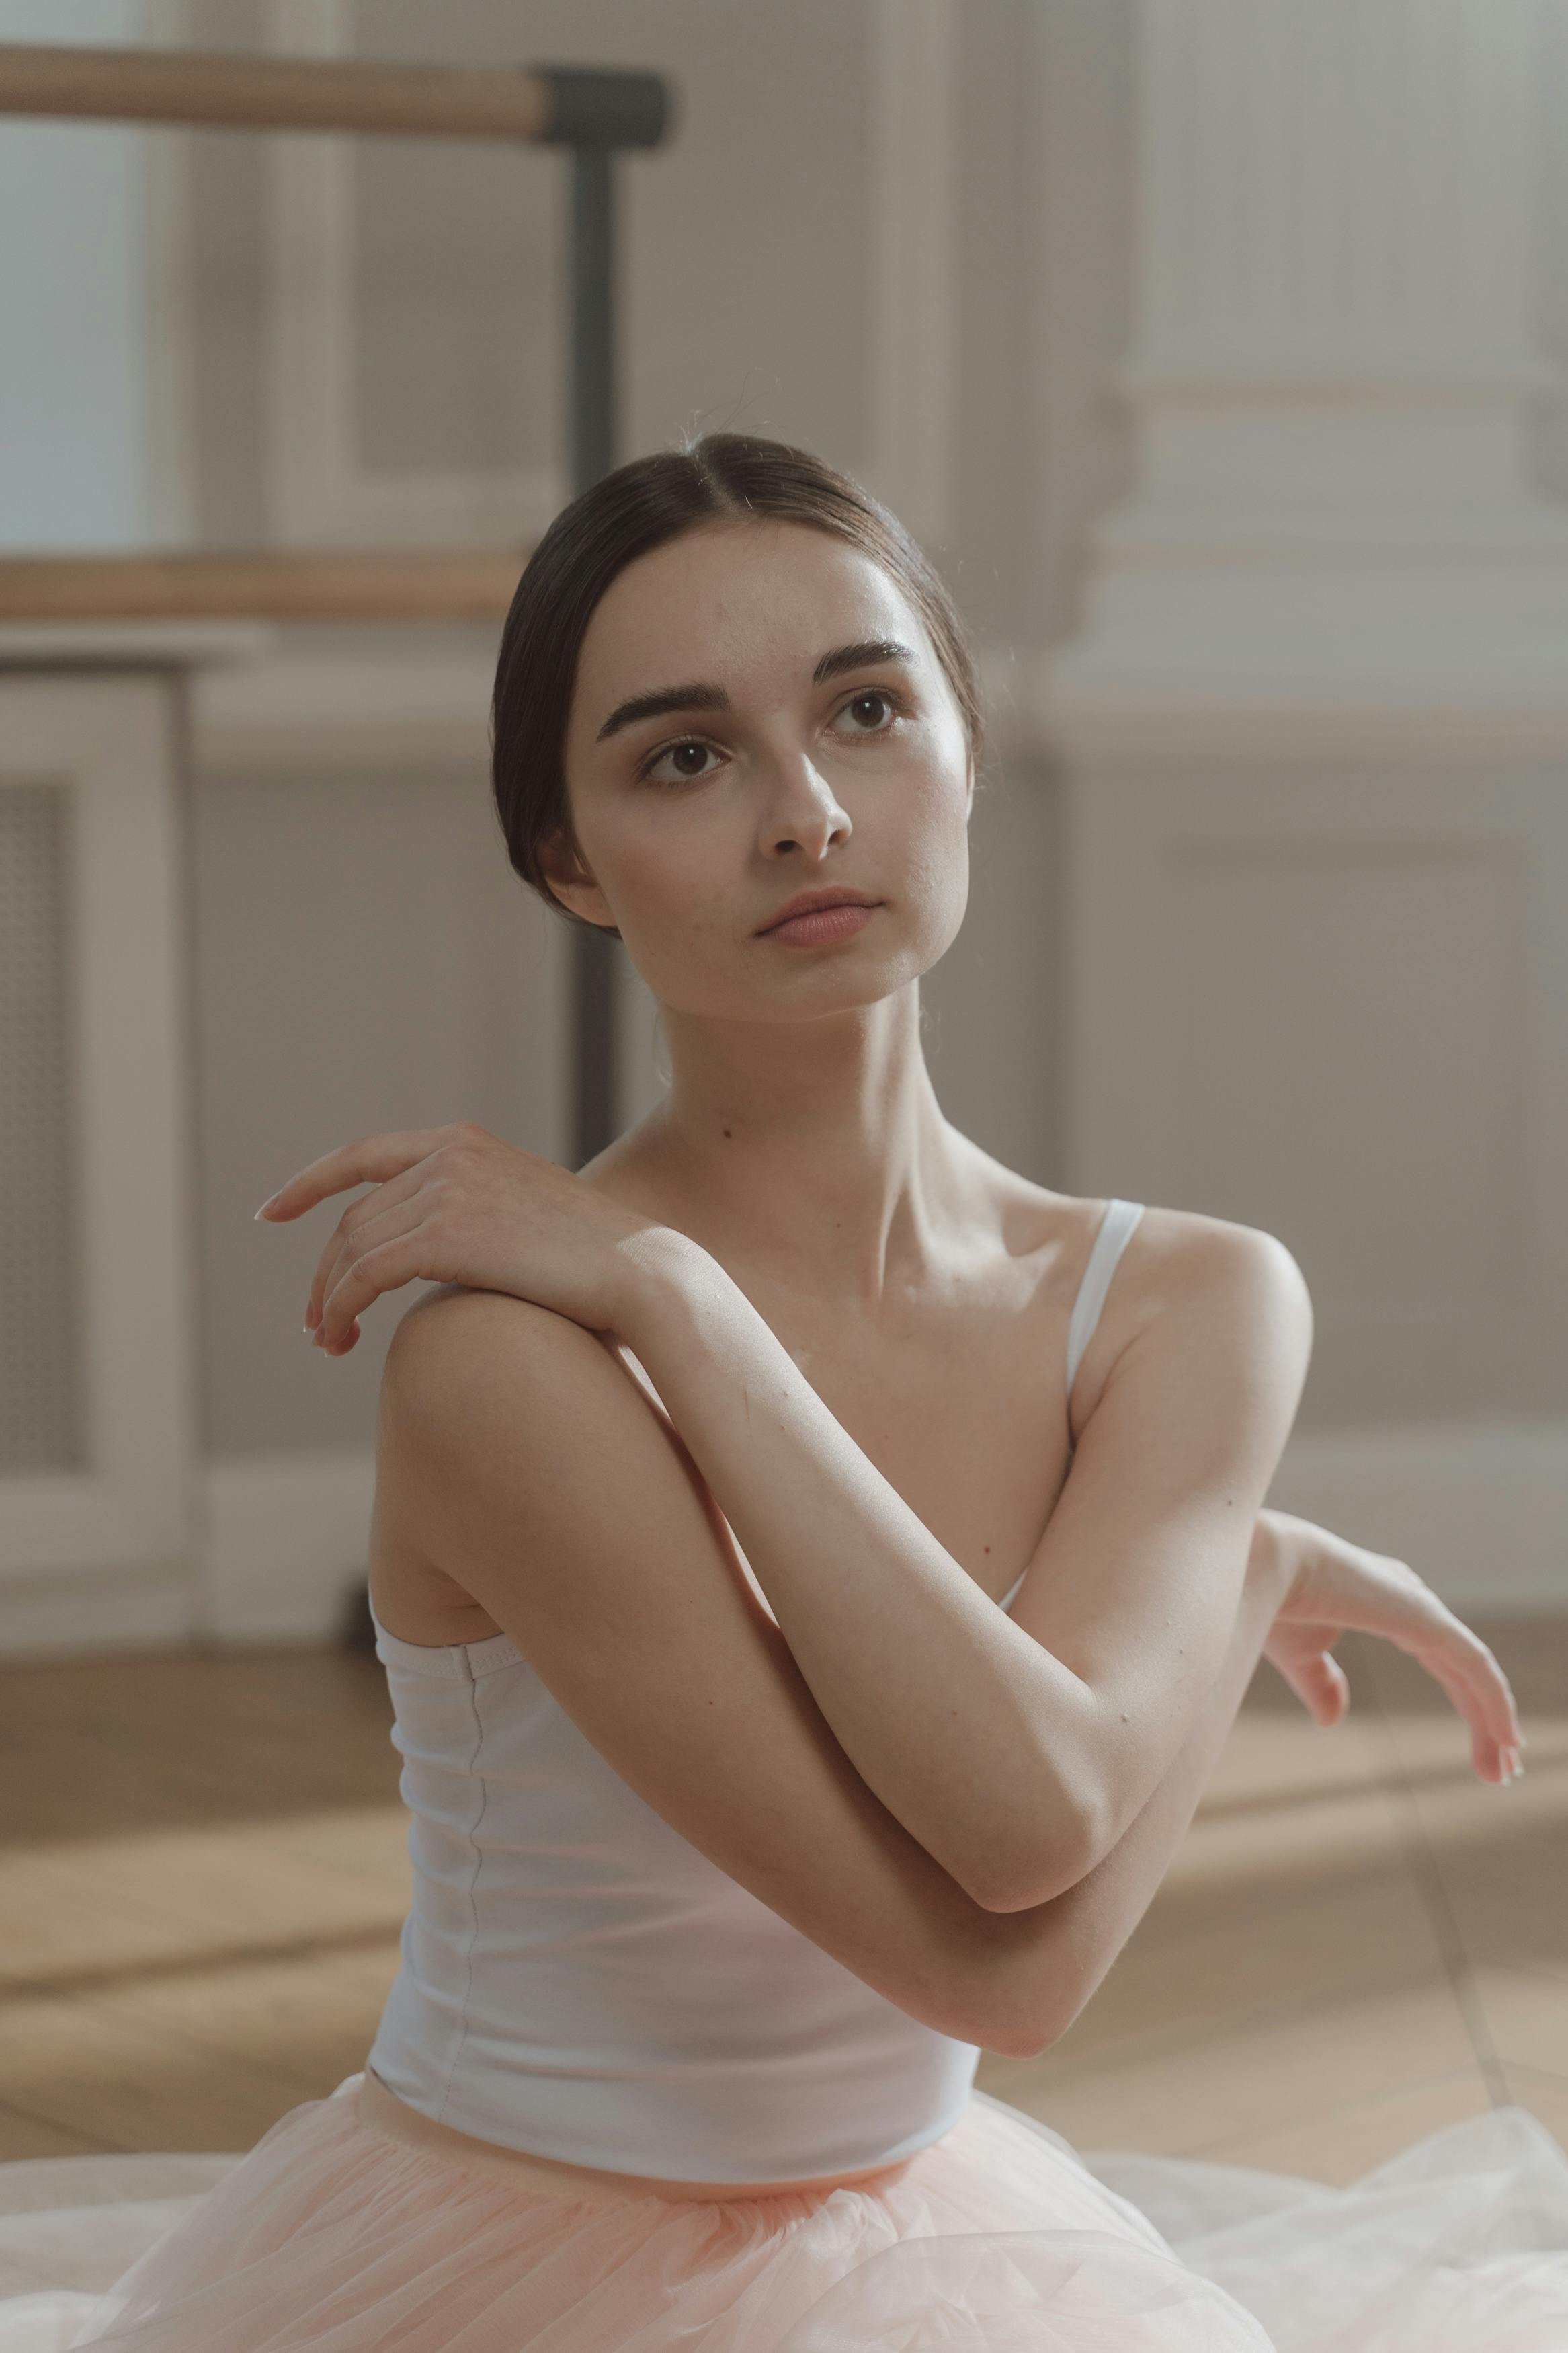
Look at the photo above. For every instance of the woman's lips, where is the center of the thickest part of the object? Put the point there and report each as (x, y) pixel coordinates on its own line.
(822, 923)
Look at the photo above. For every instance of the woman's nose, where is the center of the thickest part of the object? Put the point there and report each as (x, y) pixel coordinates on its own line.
(802, 811)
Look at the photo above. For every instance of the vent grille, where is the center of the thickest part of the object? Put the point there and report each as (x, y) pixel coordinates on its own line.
(42, 1421)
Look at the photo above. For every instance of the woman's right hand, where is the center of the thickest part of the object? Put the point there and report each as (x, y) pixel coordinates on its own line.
(1337, 1586)
(457, 1204)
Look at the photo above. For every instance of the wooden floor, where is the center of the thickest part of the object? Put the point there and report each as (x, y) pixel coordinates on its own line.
(203, 1877)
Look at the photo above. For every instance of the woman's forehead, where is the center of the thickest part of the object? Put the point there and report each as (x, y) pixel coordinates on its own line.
(764, 596)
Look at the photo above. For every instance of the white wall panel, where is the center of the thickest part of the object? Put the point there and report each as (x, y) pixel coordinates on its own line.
(1336, 1006)
(1365, 985)
(121, 1499)
(42, 1397)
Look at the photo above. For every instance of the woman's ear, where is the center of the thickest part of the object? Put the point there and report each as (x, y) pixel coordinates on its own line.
(571, 881)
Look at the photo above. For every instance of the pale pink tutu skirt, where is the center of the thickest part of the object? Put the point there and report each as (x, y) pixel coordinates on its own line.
(334, 2236)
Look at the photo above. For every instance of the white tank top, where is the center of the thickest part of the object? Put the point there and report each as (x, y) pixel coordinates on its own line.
(579, 1982)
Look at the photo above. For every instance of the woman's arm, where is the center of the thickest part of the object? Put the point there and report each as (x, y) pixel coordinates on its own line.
(516, 1455)
(1015, 1751)
(1066, 1946)
(1018, 1750)
(519, 1458)
(1297, 1575)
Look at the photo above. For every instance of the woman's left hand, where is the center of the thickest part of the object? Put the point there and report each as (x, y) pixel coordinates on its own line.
(1338, 1584)
(457, 1205)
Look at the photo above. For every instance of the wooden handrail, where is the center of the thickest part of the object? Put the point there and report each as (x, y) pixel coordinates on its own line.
(267, 93)
(274, 93)
(317, 585)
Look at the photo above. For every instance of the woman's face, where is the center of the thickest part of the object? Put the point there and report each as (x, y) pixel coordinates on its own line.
(787, 754)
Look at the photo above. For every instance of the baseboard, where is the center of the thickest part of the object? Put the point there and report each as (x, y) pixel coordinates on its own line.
(1478, 1509)
(61, 1613)
(282, 1542)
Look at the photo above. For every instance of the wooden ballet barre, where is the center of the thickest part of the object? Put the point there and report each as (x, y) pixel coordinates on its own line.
(557, 104)
(352, 585)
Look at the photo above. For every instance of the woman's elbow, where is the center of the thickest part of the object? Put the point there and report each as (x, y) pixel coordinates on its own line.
(1045, 1872)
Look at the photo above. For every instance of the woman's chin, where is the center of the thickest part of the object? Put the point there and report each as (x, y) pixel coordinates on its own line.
(799, 996)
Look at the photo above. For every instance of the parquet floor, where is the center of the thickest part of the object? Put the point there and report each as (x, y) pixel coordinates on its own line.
(203, 1875)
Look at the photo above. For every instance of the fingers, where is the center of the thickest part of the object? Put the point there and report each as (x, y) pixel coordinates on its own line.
(383, 1265)
(1480, 1693)
(344, 1341)
(1456, 1659)
(361, 1226)
(1330, 1691)
(370, 1160)
(1317, 1679)
(1487, 1685)
(1319, 1684)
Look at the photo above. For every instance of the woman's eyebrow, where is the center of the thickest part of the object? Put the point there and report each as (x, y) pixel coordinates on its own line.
(857, 656)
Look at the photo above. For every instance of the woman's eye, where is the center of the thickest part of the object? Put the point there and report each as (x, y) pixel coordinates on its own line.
(676, 752)
(870, 694)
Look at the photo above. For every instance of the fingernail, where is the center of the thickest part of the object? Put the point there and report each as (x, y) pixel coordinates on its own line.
(266, 1205)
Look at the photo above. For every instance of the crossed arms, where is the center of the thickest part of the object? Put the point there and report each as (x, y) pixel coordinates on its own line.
(969, 1810)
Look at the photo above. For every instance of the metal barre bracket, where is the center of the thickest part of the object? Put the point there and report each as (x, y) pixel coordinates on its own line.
(595, 107)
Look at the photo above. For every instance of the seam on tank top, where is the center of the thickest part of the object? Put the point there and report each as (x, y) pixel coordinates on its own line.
(473, 1839)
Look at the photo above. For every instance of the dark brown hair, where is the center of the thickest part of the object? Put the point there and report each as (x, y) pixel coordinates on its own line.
(723, 477)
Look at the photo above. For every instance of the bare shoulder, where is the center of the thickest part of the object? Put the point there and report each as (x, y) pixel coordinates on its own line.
(1185, 1248)
(1167, 1245)
(1188, 1256)
(467, 1370)
(1171, 1252)
(1183, 1270)
(1238, 1276)
(439, 1316)
(448, 1345)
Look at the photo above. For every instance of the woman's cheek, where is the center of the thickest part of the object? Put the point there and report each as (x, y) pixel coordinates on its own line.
(938, 845)
(686, 941)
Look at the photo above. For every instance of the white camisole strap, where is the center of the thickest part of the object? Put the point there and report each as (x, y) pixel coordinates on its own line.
(1116, 1231)
(1117, 1227)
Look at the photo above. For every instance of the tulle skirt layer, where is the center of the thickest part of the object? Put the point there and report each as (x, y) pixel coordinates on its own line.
(334, 2236)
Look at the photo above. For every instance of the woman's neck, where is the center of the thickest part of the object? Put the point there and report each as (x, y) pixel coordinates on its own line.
(814, 1151)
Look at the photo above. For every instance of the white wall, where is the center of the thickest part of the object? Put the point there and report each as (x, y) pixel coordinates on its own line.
(74, 430)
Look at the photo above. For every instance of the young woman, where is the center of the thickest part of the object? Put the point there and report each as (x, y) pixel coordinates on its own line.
(815, 1570)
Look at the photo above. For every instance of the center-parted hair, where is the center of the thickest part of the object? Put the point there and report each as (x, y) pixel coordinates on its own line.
(723, 477)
